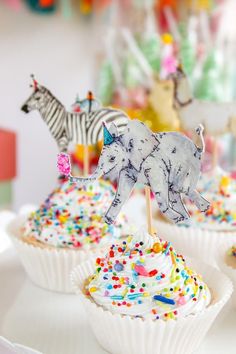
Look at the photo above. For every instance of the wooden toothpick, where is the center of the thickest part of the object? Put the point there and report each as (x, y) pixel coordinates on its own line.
(151, 230)
(86, 160)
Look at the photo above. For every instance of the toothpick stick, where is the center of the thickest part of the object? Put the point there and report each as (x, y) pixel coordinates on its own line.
(149, 211)
(215, 155)
(86, 160)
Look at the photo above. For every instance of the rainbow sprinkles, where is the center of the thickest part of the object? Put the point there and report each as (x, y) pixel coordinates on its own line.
(145, 277)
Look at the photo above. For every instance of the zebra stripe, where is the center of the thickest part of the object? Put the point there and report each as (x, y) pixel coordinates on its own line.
(80, 128)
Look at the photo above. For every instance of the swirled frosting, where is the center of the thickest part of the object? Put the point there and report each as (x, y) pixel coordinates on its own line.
(73, 218)
(144, 277)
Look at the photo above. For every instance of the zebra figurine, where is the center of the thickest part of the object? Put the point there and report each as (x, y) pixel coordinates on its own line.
(84, 128)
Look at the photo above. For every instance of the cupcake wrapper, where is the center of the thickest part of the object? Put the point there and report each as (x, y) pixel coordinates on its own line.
(122, 334)
(194, 242)
(231, 272)
(48, 268)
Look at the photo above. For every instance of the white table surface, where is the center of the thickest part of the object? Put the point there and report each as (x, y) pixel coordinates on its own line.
(56, 324)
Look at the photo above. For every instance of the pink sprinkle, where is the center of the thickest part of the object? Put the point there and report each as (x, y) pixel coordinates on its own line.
(181, 301)
(141, 270)
(63, 164)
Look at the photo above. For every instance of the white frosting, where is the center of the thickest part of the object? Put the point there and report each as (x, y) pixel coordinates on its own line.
(73, 218)
(169, 277)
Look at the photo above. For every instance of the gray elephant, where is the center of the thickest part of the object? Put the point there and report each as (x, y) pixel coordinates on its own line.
(169, 163)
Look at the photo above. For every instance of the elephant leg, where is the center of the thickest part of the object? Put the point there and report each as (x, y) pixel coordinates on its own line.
(159, 186)
(201, 203)
(125, 186)
(177, 204)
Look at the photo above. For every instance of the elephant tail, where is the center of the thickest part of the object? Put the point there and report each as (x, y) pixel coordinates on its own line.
(199, 130)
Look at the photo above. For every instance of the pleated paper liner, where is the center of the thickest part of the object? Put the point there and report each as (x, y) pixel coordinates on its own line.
(224, 246)
(123, 334)
(193, 242)
(48, 267)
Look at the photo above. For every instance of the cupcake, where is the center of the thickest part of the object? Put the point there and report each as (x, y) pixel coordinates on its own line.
(67, 229)
(202, 233)
(220, 190)
(143, 297)
(230, 257)
(226, 260)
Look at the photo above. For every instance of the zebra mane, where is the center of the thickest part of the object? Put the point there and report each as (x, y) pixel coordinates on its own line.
(45, 90)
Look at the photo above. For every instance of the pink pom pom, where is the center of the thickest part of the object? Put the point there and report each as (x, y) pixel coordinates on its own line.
(63, 164)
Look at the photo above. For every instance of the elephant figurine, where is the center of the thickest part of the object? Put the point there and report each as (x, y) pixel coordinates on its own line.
(169, 163)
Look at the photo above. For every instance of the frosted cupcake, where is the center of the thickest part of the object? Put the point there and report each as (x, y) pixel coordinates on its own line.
(144, 289)
(201, 234)
(230, 257)
(67, 228)
(73, 218)
(226, 260)
(220, 190)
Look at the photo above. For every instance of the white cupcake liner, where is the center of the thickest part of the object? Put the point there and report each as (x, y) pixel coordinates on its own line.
(122, 334)
(193, 242)
(229, 271)
(48, 268)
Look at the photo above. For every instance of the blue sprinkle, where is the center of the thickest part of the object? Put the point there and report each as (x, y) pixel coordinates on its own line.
(134, 296)
(164, 299)
(118, 267)
(167, 248)
(109, 286)
(117, 297)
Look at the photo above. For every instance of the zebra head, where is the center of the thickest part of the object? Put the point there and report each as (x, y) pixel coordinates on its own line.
(37, 99)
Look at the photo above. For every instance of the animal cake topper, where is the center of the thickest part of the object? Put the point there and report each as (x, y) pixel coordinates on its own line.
(217, 117)
(168, 163)
(84, 128)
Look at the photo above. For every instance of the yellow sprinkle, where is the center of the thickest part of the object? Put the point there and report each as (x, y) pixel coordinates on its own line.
(225, 181)
(124, 292)
(122, 280)
(157, 247)
(62, 219)
(146, 294)
(93, 289)
(173, 258)
(129, 239)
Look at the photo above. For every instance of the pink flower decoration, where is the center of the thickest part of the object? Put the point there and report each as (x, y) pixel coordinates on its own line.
(63, 164)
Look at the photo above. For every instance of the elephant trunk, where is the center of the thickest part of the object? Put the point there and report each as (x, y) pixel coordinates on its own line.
(83, 181)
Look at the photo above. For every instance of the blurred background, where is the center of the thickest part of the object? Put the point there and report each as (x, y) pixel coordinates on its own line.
(125, 52)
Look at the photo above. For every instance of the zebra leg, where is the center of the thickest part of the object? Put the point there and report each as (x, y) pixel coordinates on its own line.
(62, 144)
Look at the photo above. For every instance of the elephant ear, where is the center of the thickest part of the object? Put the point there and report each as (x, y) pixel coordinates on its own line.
(113, 130)
(139, 142)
